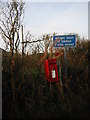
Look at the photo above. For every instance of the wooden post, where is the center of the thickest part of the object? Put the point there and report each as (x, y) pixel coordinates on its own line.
(0, 83)
(22, 42)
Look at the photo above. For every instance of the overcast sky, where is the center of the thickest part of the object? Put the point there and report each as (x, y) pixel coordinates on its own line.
(49, 16)
(60, 17)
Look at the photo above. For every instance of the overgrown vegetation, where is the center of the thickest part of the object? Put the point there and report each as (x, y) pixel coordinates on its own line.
(33, 98)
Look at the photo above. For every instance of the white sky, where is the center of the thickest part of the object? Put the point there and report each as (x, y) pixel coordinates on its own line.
(60, 16)
(56, 0)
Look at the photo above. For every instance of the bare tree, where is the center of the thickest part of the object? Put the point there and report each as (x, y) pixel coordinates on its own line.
(10, 23)
(11, 16)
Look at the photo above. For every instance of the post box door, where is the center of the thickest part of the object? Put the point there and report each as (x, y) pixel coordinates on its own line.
(53, 72)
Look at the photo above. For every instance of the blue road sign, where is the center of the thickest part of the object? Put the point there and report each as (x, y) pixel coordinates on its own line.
(64, 40)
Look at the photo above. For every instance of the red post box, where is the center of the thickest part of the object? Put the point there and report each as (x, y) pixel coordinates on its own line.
(51, 70)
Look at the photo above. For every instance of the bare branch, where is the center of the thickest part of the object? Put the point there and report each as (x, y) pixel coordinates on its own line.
(10, 22)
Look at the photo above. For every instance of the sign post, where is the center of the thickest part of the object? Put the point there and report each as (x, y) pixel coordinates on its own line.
(65, 41)
(65, 57)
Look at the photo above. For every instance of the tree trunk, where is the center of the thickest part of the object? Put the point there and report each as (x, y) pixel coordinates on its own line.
(13, 78)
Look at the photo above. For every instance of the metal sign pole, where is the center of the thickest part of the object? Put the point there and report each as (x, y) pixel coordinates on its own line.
(65, 56)
(60, 78)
